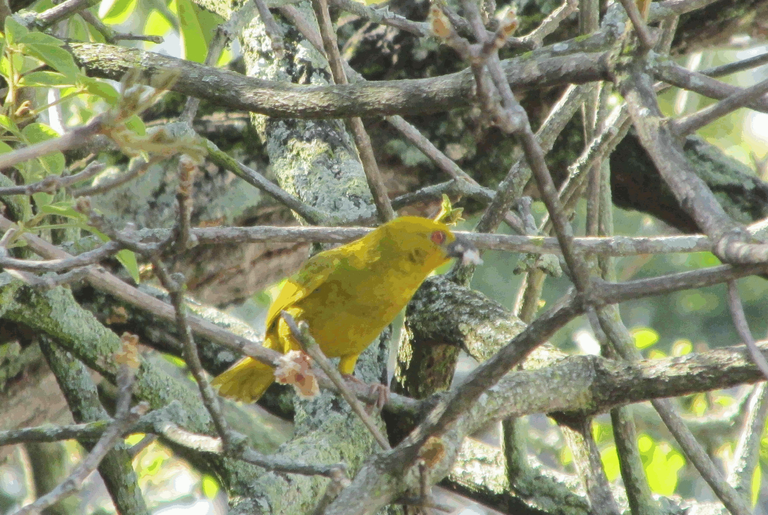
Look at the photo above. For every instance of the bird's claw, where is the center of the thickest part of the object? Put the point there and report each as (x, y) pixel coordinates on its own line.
(377, 390)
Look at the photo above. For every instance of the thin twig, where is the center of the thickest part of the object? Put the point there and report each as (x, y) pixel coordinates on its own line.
(692, 122)
(747, 453)
(549, 24)
(590, 468)
(76, 138)
(742, 328)
(641, 29)
(49, 282)
(618, 246)
(187, 170)
(112, 36)
(210, 444)
(734, 503)
(301, 333)
(736, 66)
(382, 16)
(62, 265)
(410, 133)
(362, 140)
(254, 178)
(511, 187)
(175, 288)
(704, 85)
(137, 168)
(124, 418)
(222, 36)
(58, 12)
(145, 442)
(271, 28)
(53, 183)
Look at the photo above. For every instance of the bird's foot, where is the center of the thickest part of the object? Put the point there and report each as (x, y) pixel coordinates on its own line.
(377, 390)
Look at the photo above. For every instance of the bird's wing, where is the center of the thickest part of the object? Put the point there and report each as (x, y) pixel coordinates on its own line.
(313, 274)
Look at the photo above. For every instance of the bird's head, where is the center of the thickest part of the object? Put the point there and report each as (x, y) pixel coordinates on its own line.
(427, 243)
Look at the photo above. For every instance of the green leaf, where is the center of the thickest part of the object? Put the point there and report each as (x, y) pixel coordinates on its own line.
(5, 69)
(136, 124)
(5, 147)
(95, 35)
(117, 11)
(610, 459)
(682, 347)
(45, 79)
(756, 476)
(128, 259)
(55, 57)
(663, 468)
(134, 439)
(14, 30)
(77, 29)
(37, 132)
(192, 36)
(101, 90)
(42, 199)
(64, 209)
(210, 486)
(644, 337)
(9, 125)
(157, 24)
(39, 38)
(54, 162)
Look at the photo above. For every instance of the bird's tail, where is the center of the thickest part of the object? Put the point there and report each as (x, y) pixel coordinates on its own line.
(245, 381)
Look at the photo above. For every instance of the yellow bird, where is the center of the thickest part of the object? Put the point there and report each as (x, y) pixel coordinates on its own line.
(348, 295)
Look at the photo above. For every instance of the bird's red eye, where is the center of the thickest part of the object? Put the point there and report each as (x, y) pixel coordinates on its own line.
(438, 237)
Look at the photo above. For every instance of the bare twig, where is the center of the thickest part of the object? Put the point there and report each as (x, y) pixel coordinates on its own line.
(74, 139)
(587, 460)
(511, 187)
(736, 66)
(301, 333)
(124, 418)
(704, 85)
(145, 442)
(691, 123)
(48, 282)
(187, 170)
(62, 265)
(734, 502)
(112, 36)
(549, 24)
(223, 35)
(465, 184)
(732, 243)
(52, 183)
(254, 178)
(63, 10)
(638, 22)
(742, 327)
(272, 29)
(618, 246)
(191, 356)
(137, 168)
(745, 457)
(362, 140)
(210, 444)
(382, 16)
(340, 480)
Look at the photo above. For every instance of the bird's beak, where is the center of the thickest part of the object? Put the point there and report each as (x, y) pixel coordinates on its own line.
(461, 248)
